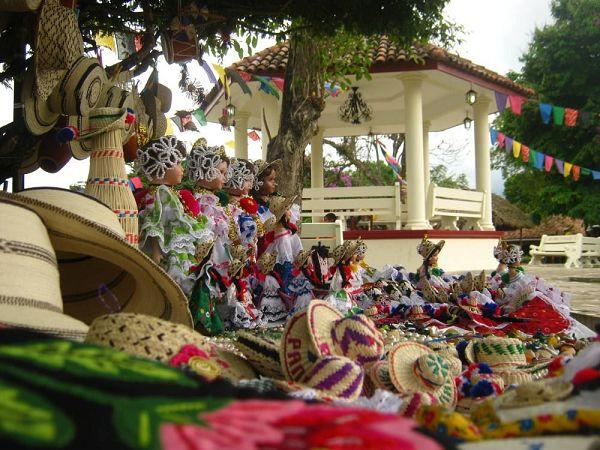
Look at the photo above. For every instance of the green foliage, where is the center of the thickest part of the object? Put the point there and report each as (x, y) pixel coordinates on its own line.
(561, 65)
(440, 176)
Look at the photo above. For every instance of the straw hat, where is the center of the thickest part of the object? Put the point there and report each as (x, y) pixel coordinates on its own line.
(533, 393)
(417, 368)
(496, 351)
(165, 96)
(379, 373)
(99, 269)
(266, 262)
(81, 87)
(303, 257)
(37, 114)
(204, 248)
(152, 338)
(261, 353)
(153, 108)
(339, 252)
(261, 165)
(58, 44)
(235, 266)
(30, 294)
(426, 248)
(414, 402)
(278, 205)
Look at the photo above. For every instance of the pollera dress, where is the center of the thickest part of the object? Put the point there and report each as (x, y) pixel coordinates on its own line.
(302, 290)
(272, 306)
(164, 218)
(243, 313)
(218, 222)
(203, 301)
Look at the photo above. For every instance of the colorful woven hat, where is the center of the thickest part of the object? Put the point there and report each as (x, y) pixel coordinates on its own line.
(427, 248)
(417, 368)
(261, 352)
(414, 402)
(30, 295)
(303, 257)
(261, 165)
(379, 373)
(507, 253)
(533, 393)
(278, 205)
(99, 270)
(58, 44)
(204, 248)
(496, 351)
(339, 252)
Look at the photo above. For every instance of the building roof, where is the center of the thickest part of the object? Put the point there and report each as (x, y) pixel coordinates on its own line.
(507, 216)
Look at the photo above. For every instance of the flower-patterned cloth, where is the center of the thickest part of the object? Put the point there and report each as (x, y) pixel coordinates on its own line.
(163, 218)
(218, 222)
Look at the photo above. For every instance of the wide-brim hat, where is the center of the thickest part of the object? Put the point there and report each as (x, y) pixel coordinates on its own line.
(260, 166)
(266, 262)
(164, 94)
(100, 270)
(58, 44)
(303, 257)
(379, 373)
(339, 252)
(278, 205)
(81, 87)
(496, 351)
(533, 393)
(37, 115)
(262, 353)
(30, 296)
(153, 108)
(415, 367)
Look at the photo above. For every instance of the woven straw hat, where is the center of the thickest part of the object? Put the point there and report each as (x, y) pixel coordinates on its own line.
(416, 368)
(496, 352)
(297, 351)
(261, 165)
(261, 353)
(235, 267)
(37, 114)
(379, 373)
(153, 338)
(30, 294)
(81, 87)
(339, 252)
(427, 248)
(165, 96)
(153, 108)
(58, 44)
(100, 271)
(266, 262)
(533, 393)
(332, 377)
(203, 249)
(414, 402)
(278, 205)
(303, 257)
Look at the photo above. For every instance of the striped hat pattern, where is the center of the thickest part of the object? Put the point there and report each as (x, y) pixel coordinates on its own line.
(340, 377)
(357, 338)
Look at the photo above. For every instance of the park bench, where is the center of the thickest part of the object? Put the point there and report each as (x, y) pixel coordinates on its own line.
(380, 203)
(446, 206)
(578, 250)
(328, 234)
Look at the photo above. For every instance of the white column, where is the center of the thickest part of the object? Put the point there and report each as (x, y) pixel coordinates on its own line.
(426, 168)
(483, 173)
(241, 134)
(316, 160)
(413, 114)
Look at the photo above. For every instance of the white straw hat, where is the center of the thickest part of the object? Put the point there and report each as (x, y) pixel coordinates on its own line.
(100, 271)
(37, 114)
(30, 294)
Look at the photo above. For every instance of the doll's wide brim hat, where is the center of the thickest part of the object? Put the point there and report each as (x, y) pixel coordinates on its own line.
(100, 272)
(260, 166)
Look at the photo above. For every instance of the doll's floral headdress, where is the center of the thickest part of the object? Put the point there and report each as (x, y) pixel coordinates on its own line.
(507, 254)
(204, 161)
(160, 155)
(238, 172)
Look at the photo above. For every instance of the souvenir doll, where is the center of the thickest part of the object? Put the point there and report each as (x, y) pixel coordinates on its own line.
(271, 305)
(537, 306)
(242, 312)
(281, 238)
(170, 226)
(343, 285)
(265, 185)
(207, 169)
(301, 287)
(209, 288)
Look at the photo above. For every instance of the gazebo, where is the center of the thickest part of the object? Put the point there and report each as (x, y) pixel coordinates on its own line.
(406, 96)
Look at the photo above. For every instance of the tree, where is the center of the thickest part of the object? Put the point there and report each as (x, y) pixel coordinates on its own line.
(313, 25)
(561, 65)
(440, 176)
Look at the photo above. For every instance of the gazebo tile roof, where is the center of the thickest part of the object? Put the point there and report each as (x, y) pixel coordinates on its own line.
(275, 58)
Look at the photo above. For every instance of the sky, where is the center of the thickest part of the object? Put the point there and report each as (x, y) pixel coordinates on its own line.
(496, 34)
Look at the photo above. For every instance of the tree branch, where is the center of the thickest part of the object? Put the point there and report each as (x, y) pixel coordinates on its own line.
(347, 149)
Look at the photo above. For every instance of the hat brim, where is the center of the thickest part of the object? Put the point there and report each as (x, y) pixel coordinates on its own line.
(261, 353)
(297, 351)
(128, 280)
(321, 317)
(380, 376)
(38, 117)
(401, 361)
(436, 248)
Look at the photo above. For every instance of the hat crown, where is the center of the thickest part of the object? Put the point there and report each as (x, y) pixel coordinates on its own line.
(432, 370)
(357, 338)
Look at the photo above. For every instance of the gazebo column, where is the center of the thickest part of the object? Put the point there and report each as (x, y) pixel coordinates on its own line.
(482, 158)
(426, 168)
(415, 179)
(316, 160)
(241, 134)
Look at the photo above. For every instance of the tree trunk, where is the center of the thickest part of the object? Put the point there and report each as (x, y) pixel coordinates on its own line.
(302, 105)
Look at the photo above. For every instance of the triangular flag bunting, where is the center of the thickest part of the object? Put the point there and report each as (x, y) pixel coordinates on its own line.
(235, 76)
(501, 101)
(253, 135)
(575, 171)
(571, 117)
(524, 153)
(560, 166)
(539, 160)
(532, 156)
(546, 112)
(230, 144)
(106, 40)
(208, 71)
(501, 139)
(516, 149)
(493, 136)
(200, 117)
(548, 160)
(279, 82)
(508, 144)
(596, 174)
(516, 101)
(568, 167)
(559, 115)
(222, 78)
(585, 171)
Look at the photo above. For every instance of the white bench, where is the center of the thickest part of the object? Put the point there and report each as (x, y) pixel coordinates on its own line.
(382, 202)
(447, 205)
(578, 249)
(328, 234)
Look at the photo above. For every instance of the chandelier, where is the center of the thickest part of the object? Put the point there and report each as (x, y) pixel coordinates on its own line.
(355, 110)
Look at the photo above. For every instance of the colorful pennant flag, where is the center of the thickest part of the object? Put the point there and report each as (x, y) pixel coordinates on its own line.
(106, 40)
(524, 153)
(501, 100)
(539, 160)
(266, 85)
(546, 112)
(568, 167)
(209, 73)
(560, 165)
(548, 161)
(508, 143)
(200, 117)
(516, 102)
(235, 76)
(253, 135)
(516, 148)
(493, 135)
(596, 174)
(575, 171)
(222, 78)
(279, 82)
(585, 171)
(559, 115)
(230, 144)
(532, 156)
(501, 139)
(571, 117)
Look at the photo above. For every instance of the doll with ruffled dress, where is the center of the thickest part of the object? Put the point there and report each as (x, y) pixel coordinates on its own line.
(281, 238)
(240, 311)
(169, 221)
(534, 304)
(270, 302)
(265, 185)
(207, 169)
(346, 284)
